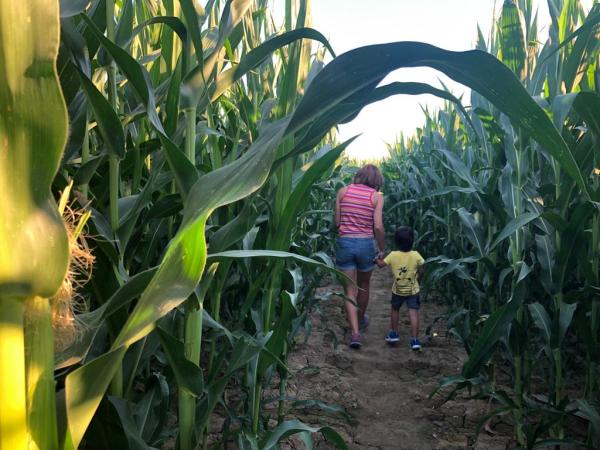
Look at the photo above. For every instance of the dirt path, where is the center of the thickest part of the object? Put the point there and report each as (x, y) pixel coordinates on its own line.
(385, 388)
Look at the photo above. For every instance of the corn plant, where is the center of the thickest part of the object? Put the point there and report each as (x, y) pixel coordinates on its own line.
(192, 143)
(518, 228)
(34, 130)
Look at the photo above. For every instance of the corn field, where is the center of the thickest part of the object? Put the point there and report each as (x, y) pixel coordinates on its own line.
(516, 226)
(167, 176)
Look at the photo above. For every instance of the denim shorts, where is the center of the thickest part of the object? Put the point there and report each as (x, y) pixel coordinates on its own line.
(412, 301)
(355, 253)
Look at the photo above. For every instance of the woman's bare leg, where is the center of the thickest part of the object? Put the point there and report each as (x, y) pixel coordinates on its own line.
(351, 309)
(363, 279)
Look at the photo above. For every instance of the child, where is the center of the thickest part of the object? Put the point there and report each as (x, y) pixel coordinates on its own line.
(407, 267)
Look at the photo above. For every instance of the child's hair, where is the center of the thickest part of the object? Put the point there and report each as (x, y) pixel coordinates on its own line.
(404, 238)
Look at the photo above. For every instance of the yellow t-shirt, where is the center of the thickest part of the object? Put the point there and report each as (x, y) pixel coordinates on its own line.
(404, 266)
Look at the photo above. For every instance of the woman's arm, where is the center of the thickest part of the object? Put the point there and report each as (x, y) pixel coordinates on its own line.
(338, 200)
(378, 223)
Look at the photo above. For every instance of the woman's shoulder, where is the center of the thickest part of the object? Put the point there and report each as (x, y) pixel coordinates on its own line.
(343, 190)
(376, 197)
(365, 187)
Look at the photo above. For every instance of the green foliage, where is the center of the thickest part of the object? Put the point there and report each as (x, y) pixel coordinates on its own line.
(143, 82)
(510, 236)
(201, 134)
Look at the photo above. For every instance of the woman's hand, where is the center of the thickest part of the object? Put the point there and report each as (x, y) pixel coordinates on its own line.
(379, 259)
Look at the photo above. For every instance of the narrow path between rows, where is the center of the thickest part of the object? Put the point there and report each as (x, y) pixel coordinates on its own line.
(385, 388)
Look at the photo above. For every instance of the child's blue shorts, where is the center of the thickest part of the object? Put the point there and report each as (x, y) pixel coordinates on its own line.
(355, 253)
(412, 301)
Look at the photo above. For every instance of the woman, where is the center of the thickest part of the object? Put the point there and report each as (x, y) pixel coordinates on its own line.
(359, 219)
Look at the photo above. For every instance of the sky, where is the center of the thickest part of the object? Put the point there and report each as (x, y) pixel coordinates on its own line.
(450, 24)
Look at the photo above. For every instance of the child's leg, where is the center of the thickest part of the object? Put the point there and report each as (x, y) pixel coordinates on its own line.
(395, 313)
(395, 318)
(414, 303)
(413, 314)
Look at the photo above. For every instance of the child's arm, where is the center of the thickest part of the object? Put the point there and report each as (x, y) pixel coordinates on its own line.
(420, 273)
(380, 262)
(420, 267)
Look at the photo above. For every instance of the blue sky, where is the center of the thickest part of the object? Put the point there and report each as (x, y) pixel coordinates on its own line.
(450, 24)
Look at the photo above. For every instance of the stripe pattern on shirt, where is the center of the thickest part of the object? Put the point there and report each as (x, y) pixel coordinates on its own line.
(356, 211)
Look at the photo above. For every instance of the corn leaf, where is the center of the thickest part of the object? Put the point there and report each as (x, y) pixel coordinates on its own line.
(188, 375)
(493, 330)
(358, 71)
(512, 227)
(109, 124)
(474, 231)
(70, 8)
(297, 200)
(291, 427)
(512, 39)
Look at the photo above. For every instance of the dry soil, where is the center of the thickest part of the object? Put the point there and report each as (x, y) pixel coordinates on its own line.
(384, 388)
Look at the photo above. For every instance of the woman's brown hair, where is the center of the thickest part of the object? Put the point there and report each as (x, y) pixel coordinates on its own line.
(369, 175)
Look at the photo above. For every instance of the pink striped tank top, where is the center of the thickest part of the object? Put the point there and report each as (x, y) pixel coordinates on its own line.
(356, 211)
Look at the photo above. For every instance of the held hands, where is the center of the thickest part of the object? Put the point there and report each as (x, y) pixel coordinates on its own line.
(379, 259)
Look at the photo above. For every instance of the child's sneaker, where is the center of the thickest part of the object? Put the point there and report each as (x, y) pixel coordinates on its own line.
(415, 344)
(364, 323)
(355, 340)
(392, 337)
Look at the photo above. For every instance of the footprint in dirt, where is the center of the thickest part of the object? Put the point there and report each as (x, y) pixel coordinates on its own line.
(422, 368)
(341, 361)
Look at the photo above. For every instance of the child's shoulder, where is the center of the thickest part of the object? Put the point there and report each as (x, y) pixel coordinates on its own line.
(396, 254)
(392, 257)
(417, 256)
(400, 253)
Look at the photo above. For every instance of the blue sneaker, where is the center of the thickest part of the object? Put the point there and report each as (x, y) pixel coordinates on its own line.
(415, 344)
(392, 337)
(364, 323)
